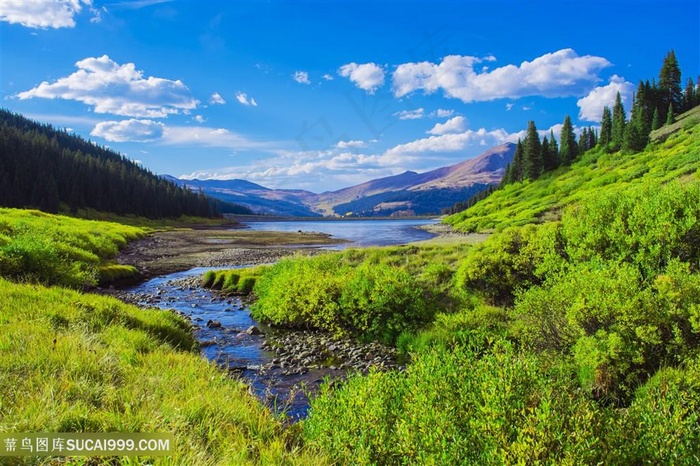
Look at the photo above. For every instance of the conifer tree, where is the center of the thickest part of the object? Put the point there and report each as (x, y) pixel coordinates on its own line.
(554, 150)
(517, 167)
(690, 99)
(656, 120)
(670, 116)
(532, 163)
(605, 127)
(670, 83)
(619, 121)
(567, 139)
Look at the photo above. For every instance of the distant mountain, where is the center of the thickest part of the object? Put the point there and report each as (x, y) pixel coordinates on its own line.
(259, 199)
(452, 184)
(408, 193)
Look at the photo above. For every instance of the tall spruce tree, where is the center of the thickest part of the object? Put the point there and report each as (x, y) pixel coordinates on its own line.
(655, 120)
(567, 141)
(532, 147)
(619, 121)
(670, 116)
(605, 128)
(554, 150)
(690, 99)
(517, 165)
(670, 84)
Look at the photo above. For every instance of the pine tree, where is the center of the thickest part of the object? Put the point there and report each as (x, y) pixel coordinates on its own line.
(567, 139)
(670, 116)
(532, 163)
(619, 121)
(656, 120)
(639, 126)
(605, 127)
(545, 156)
(517, 168)
(670, 84)
(554, 150)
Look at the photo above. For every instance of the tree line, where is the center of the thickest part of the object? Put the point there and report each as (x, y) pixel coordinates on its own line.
(49, 169)
(653, 105)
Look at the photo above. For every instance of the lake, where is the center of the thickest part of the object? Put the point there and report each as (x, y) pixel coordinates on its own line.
(362, 233)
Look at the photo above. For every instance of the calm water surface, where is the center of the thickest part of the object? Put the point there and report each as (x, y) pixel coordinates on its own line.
(362, 233)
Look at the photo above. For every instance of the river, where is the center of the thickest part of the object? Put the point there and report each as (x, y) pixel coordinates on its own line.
(250, 356)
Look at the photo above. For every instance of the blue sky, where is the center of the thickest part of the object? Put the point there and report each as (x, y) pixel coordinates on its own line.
(323, 95)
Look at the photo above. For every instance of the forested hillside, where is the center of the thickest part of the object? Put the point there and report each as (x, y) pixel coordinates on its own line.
(49, 169)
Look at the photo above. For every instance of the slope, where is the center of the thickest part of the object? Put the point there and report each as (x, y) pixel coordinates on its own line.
(670, 156)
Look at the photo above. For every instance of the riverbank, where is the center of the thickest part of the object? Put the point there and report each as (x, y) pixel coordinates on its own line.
(165, 252)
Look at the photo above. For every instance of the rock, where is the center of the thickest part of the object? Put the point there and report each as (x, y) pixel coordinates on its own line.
(213, 324)
(253, 330)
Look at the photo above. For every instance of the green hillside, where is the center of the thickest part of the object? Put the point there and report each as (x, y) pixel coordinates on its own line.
(673, 154)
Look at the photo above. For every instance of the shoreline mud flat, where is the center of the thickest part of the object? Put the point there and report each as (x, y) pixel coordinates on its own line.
(166, 252)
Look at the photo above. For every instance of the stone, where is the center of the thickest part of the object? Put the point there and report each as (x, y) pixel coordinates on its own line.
(253, 330)
(213, 324)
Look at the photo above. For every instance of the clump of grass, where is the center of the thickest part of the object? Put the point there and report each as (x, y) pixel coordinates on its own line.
(234, 281)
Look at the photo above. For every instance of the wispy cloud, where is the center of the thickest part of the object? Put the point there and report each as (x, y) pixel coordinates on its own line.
(243, 99)
(416, 114)
(136, 4)
(216, 99)
(302, 77)
(117, 89)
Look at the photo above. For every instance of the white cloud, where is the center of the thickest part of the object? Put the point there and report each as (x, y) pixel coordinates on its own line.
(559, 74)
(368, 76)
(442, 113)
(453, 125)
(117, 89)
(452, 142)
(42, 14)
(328, 77)
(216, 99)
(509, 106)
(591, 106)
(242, 97)
(302, 77)
(129, 130)
(208, 137)
(199, 119)
(351, 144)
(416, 114)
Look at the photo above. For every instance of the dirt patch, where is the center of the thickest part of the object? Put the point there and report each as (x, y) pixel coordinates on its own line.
(172, 251)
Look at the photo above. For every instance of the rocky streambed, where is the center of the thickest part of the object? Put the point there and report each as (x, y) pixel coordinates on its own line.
(282, 367)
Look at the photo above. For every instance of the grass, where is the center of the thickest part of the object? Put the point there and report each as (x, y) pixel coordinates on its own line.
(518, 204)
(72, 362)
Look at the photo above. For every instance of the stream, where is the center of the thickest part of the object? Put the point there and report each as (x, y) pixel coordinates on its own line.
(281, 367)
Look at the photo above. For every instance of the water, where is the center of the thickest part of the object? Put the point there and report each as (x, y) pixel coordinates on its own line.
(242, 354)
(361, 233)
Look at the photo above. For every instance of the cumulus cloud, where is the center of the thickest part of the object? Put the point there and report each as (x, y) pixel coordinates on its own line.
(453, 125)
(367, 76)
(416, 114)
(302, 77)
(216, 99)
(328, 77)
(199, 119)
(42, 14)
(242, 97)
(559, 74)
(591, 106)
(351, 144)
(132, 130)
(117, 89)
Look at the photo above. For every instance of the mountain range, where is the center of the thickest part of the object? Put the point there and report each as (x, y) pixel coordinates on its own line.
(408, 193)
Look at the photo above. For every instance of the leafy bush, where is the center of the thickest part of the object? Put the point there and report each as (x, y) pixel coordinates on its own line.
(374, 301)
(236, 281)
